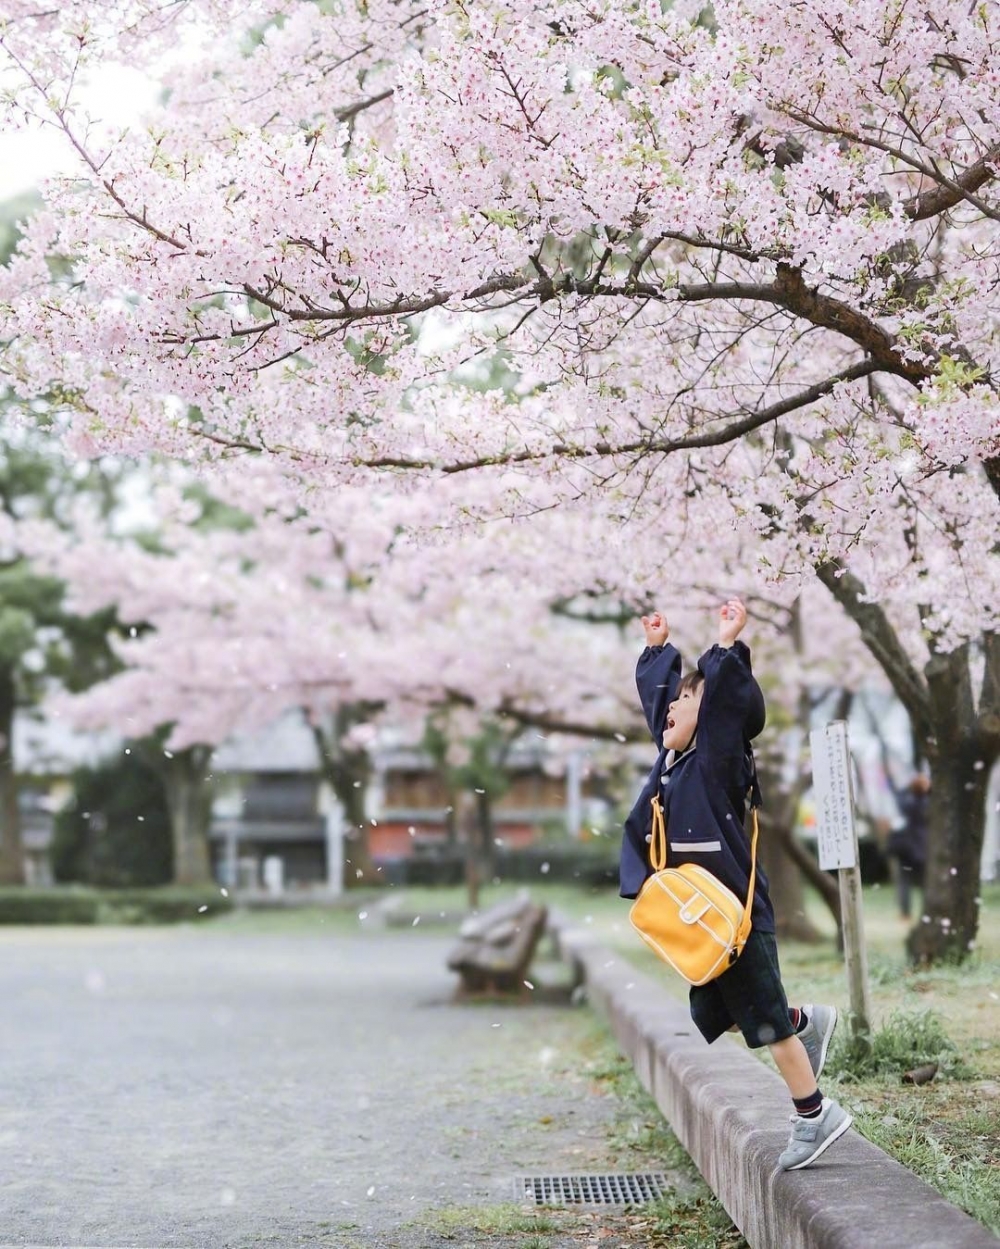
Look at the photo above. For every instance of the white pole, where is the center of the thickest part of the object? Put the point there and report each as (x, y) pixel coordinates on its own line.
(574, 794)
(837, 840)
(334, 830)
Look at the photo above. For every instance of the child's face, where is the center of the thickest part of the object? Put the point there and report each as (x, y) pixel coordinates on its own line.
(682, 719)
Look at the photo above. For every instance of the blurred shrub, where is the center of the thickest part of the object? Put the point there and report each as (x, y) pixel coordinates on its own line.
(21, 905)
(115, 830)
(590, 864)
(76, 905)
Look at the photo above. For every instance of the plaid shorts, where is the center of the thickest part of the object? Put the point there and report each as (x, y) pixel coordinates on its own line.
(749, 995)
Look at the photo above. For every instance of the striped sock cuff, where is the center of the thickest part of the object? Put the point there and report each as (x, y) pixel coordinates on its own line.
(809, 1107)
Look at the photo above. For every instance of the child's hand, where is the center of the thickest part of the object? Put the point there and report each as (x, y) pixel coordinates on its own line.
(732, 618)
(655, 628)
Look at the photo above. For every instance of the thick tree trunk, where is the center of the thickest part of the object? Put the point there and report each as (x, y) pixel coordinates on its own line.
(189, 801)
(959, 736)
(11, 845)
(961, 753)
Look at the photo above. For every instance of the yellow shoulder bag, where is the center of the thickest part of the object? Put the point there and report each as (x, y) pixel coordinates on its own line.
(687, 916)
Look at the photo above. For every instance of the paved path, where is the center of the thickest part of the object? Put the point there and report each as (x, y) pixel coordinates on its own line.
(214, 1088)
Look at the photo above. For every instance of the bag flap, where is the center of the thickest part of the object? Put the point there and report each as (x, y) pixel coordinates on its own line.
(694, 909)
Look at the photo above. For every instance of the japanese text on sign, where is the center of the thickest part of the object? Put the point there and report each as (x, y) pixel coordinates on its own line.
(835, 832)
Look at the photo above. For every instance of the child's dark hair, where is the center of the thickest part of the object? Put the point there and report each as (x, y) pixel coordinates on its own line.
(690, 683)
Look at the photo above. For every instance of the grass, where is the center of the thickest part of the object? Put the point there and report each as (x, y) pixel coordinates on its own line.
(504, 1219)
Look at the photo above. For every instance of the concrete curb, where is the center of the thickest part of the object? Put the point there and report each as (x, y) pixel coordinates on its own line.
(730, 1112)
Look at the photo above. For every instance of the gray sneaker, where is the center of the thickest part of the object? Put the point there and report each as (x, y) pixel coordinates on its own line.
(815, 1036)
(811, 1137)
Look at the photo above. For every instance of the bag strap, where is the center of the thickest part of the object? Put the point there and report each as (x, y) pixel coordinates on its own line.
(658, 842)
(658, 858)
(744, 929)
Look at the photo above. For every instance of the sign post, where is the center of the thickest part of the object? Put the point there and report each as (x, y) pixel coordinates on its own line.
(837, 838)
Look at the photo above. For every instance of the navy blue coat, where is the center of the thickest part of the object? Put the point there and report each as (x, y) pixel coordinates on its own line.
(704, 790)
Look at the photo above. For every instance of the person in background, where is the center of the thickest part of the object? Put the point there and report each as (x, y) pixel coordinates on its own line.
(907, 844)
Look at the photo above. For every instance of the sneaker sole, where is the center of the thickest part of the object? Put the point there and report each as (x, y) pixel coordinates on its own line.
(835, 1136)
(826, 1044)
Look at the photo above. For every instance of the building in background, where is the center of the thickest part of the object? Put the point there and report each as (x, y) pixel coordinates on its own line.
(272, 813)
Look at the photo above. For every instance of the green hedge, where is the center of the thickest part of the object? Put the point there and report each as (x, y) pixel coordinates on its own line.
(589, 864)
(82, 905)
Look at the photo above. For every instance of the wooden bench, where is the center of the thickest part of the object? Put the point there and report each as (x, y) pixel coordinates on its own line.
(495, 947)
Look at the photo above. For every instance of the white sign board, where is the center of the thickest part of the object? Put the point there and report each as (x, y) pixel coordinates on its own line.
(831, 768)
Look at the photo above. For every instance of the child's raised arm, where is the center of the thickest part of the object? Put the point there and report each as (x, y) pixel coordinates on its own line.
(657, 674)
(731, 701)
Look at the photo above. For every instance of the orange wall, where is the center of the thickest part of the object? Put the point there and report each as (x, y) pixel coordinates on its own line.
(393, 841)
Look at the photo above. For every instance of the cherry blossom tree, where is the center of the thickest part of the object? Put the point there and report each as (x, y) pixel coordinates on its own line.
(740, 268)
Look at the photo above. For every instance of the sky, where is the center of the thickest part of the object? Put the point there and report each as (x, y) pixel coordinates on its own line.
(118, 97)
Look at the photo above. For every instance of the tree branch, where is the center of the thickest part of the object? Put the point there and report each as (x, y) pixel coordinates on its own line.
(646, 446)
(552, 724)
(953, 190)
(881, 639)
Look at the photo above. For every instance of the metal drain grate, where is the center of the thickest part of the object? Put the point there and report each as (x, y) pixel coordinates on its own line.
(630, 1189)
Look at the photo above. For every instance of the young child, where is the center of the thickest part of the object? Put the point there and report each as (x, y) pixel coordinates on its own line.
(703, 724)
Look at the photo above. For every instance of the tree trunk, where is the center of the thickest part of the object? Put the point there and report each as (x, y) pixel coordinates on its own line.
(822, 881)
(12, 867)
(468, 823)
(785, 885)
(487, 836)
(961, 741)
(961, 754)
(784, 867)
(189, 801)
(349, 772)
